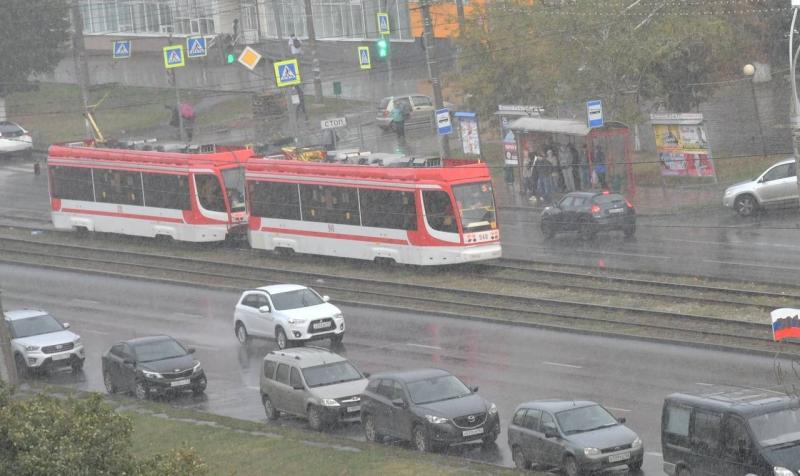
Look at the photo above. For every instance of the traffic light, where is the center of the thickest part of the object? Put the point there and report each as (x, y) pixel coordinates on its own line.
(230, 58)
(382, 47)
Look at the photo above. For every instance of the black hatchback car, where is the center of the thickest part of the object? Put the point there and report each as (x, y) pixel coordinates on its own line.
(156, 365)
(429, 407)
(588, 213)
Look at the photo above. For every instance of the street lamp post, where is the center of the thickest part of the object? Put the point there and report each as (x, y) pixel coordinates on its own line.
(795, 108)
(749, 70)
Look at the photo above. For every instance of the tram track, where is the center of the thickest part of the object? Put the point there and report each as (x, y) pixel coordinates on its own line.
(403, 296)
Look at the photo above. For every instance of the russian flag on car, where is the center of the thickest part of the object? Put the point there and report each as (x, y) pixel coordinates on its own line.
(785, 323)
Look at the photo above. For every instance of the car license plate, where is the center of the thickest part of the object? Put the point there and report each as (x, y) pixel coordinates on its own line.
(619, 457)
(476, 431)
(179, 383)
(616, 210)
(354, 408)
(60, 357)
(321, 325)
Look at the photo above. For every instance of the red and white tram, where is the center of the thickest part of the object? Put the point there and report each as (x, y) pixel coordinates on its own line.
(186, 196)
(414, 215)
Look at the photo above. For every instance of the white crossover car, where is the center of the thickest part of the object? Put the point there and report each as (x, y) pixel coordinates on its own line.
(290, 313)
(14, 139)
(39, 342)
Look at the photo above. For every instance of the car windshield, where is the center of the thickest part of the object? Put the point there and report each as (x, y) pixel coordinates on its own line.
(158, 350)
(579, 420)
(384, 103)
(476, 206)
(34, 326)
(437, 389)
(777, 428)
(295, 299)
(330, 374)
(234, 184)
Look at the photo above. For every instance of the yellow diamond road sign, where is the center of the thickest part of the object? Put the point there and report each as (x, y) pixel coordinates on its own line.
(173, 56)
(249, 58)
(287, 73)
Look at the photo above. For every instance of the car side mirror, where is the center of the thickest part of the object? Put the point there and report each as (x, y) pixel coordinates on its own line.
(297, 386)
(366, 374)
(263, 309)
(621, 420)
(326, 298)
(474, 389)
(190, 350)
(399, 402)
(66, 325)
(129, 362)
(550, 433)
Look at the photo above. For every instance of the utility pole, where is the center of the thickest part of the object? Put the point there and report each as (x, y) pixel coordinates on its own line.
(389, 75)
(461, 27)
(80, 63)
(312, 45)
(795, 109)
(433, 70)
(173, 76)
(8, 371)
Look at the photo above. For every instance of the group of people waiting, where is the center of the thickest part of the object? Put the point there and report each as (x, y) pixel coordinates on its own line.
(561, 168)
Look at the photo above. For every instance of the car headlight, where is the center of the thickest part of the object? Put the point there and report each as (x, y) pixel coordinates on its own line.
(329, 402)
(149, 374)
(436, 420)
(492, 409)
(637, 443)
(196, 366)
(294, 321)
(780, 471)
(31, 348)
(338, 315)
(591, 452)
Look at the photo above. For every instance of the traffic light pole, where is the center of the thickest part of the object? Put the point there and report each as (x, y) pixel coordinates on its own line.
(312, 45)
(79, 60)
(433, 69)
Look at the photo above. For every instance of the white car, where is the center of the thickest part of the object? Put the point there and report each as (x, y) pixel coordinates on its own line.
(290, 313)
(14, 139)
(39, 341)
(776, 187)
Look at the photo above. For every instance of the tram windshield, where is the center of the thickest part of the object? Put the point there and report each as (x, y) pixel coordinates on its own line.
(234, 185)
(476, 206)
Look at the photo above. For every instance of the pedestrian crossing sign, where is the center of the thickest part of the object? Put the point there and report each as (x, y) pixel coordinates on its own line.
(122, 49)
(173, 56)
(383, 23)
(287, 73)
(196, 47)
(363, 57)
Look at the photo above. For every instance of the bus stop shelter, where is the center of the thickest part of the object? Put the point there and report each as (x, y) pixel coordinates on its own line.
(604, 153)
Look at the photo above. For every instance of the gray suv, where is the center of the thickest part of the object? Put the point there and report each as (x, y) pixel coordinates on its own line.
(776, 187)
(311, 382)
(577, 436)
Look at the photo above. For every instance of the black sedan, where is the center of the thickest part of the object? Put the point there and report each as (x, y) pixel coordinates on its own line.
(156, 365)
(588, 213)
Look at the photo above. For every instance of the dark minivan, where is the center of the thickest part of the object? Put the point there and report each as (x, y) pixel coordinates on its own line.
(731, 432)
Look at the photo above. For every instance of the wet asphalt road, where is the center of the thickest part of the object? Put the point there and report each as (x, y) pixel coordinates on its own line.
(511, 365)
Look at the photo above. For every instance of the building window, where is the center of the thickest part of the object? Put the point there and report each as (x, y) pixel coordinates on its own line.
(337, 19)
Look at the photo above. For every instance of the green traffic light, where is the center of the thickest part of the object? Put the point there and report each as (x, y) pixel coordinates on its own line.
(383, 48)
(231, 58)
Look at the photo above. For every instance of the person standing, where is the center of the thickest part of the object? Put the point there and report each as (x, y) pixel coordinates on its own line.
(301, 103)
(600, 166)
(527, 174)
(566, 168)
(295, 46)
(575, 162)
(545, 179)
(509, 176)
(399, 120)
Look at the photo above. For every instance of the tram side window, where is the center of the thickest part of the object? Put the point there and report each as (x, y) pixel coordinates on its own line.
(117, 186)
(274, 200)
(166, 191)
(330, 204)
(72, 183)
(439, 211)
(210, 192)
(388, 209)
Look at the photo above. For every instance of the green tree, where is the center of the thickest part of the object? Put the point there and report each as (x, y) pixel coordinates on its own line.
(33, 41)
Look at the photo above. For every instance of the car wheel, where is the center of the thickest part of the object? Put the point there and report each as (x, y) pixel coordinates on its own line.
(22, 367)
(315, 418)
(271, 412)
(140, 391)
(77, 366)
(109, 382)
(629, 230)
(745, 205)
(241, 334)
(520, 461)
(370, 432)
(548, 230)
(421, 441)
(571, 466)
(635, 467)
(280, 338)
(337, 340)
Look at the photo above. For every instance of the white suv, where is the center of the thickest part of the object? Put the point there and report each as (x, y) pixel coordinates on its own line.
(290, 313)
(39, 341)
(776, 187)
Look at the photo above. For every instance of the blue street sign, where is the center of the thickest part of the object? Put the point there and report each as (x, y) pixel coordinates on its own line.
(287, 73)
(383, 23)
(196, 47)
(594, 113)
(363, 57)
(173, 56)
(122, 49)
(443, 125)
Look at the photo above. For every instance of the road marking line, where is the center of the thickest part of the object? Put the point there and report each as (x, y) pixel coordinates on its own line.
(84, 302)
(704, 384)
(182, 315)
(432, 347)
(751, 265)
(619, 409)
(653, 453)
(91, 331)
(562, 365)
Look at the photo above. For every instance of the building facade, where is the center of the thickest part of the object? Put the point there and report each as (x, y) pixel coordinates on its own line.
(250, 21)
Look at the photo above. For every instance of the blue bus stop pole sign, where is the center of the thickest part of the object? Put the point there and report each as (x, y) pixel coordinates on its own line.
(594, 113)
